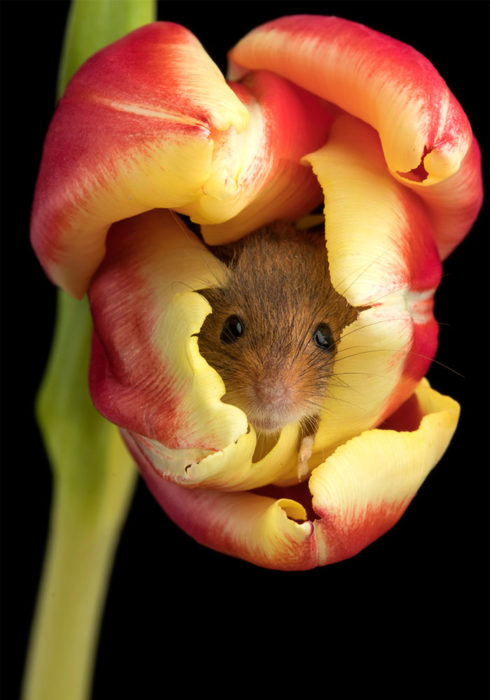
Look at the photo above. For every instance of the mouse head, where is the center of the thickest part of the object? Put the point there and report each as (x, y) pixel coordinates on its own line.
(274, 326)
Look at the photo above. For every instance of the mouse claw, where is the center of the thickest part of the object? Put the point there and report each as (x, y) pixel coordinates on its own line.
(304, 453)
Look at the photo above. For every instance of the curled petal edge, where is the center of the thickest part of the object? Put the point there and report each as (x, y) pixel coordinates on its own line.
(382, 257)
(150, 122)
(146, 372)
(427, 139)
(147, 375)
(357, 494)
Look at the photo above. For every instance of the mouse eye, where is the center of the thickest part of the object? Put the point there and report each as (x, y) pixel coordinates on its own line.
(323, 337)
(232, 330)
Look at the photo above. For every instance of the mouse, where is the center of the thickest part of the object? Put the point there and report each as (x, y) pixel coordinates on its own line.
(273, 331)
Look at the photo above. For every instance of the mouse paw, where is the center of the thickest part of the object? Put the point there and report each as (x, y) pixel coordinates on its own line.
(304, 454)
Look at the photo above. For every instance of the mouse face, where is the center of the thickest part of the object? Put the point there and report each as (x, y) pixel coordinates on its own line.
(274, 326)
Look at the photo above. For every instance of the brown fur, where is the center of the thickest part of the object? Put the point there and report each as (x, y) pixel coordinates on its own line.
(279, 285)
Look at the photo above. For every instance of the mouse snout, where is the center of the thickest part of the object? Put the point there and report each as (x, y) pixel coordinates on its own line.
(272, 391)
(272, 406)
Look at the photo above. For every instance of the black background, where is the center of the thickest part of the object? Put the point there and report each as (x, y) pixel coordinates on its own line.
(410, 611)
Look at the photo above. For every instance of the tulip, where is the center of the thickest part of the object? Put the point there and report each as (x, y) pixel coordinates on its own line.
(317, 109)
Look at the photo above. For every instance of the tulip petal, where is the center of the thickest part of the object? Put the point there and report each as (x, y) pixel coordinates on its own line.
(127, 137)
(293, 120)
(366, 485)
(146, 372)
(147, 375)
(425, 134)
(455, 202)
(149, 122)
(256, 528)
(354, 496)
(382, 257)
(234, 468)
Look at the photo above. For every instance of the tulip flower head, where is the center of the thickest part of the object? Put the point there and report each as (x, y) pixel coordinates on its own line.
(155, 171)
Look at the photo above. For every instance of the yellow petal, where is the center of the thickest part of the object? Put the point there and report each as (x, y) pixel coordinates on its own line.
(382, 256)
(147, 374)
(354, 496)
(256, 528)
(364, 487)
(150, 122)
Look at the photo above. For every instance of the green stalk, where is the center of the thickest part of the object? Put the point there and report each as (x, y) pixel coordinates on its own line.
(93, 479)
(93, 474)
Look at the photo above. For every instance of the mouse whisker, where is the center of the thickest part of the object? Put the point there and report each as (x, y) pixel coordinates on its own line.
(336, 375)
(341, 384)
(319, 409)
(392, 350)
(309, 424)
(336, 381)
(341, 357)
(328, 396)
(438, 363)
(365, 325)
(361, 273)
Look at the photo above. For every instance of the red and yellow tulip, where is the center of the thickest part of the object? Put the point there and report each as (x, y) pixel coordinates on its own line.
(317, 109)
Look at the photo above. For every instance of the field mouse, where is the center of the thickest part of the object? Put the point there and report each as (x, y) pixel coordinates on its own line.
(274, 328)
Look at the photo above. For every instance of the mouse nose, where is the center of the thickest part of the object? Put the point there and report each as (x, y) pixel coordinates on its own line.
(271, 391)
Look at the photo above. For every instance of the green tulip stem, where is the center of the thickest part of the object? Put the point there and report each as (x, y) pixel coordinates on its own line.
(93, 482)
(93, 473)
(72, 593)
